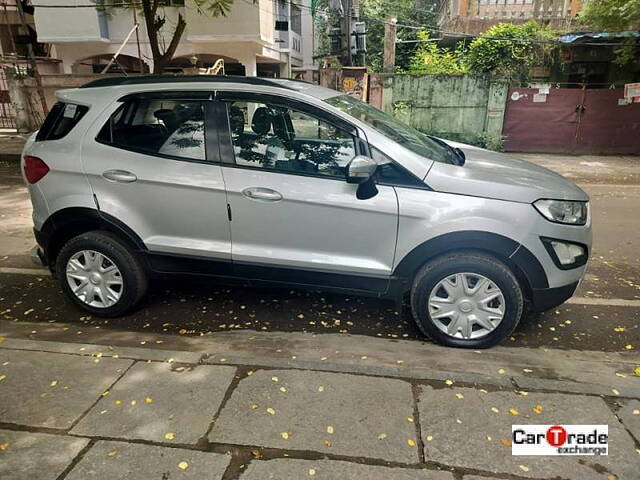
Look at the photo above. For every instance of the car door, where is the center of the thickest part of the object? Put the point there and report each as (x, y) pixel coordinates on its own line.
(294, 216)
(152, 167)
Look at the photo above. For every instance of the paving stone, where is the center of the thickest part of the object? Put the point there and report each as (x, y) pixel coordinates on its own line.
(460, 428)
(36, 456)
(130, 461)
(154, 399)
(359, 409)
(52, 390)
(630, 419)
(287, 469)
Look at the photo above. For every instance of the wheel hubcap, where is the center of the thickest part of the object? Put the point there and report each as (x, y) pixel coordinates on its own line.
(94, 278)
(466, 305)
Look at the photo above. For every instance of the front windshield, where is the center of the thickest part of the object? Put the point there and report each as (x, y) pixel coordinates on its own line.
(392, 128)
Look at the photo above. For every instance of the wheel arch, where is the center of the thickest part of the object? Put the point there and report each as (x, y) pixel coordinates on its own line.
(67, 223)
(525, 266)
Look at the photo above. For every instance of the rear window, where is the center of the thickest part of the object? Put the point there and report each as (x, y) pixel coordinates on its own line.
(61, 120)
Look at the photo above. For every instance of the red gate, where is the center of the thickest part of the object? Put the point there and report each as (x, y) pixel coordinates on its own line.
(569, 120)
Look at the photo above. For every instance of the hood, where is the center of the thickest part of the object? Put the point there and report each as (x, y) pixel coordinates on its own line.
(494, 175)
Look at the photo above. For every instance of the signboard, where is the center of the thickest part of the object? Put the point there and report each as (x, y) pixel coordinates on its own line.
(632, 92)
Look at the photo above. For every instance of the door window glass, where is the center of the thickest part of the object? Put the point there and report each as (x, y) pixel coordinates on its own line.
(283, 139)
(158, 126)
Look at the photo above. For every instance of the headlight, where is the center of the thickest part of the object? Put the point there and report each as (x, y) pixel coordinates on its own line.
(563, 211)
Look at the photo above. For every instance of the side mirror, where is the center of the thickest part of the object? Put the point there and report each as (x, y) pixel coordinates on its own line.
(360, 169)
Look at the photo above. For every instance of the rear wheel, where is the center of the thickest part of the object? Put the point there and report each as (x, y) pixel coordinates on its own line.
(100, 274)
(466, 299)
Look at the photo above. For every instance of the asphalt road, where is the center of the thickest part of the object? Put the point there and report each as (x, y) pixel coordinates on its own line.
(606, 316)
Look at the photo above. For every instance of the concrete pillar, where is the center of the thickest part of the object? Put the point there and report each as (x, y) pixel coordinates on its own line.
(250, 65)
(19, 95)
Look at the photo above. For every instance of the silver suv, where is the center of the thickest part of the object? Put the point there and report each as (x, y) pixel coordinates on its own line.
(279, 182)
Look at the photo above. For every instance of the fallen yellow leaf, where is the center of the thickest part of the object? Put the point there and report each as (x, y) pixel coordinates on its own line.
(284, 435)
(271, 411)
(382, 436)
(636, 412)
(183, 465)
(538, 409)
(327, 443)
(4, 446)
(429, 438)
(312, 472)
(330, 429)
(54, 383)
(112, 453)
(495, 410)
(459, 396)
(449, 382)
(524, 468)
(2, 377)
(274, 379)
(148, 400)
(170, 435)
(637, 371)
(411, 443)
(410, 419)
(321, 388)
(254, 406)
(501, 371)
(2, 339)
(513, 411)
(506, 442)
(283, 390)
(615, 392)
(628, 347)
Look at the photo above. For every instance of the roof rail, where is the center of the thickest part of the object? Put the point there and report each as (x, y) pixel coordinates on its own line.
(151, 79)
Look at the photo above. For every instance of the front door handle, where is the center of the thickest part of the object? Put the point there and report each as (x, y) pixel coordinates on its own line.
(264, 194)
(120, 176)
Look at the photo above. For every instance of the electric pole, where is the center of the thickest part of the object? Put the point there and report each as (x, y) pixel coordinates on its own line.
(389, 60)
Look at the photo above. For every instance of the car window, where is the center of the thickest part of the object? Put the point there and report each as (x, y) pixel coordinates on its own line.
(394, 129)
(284, 139)
(158, 126)
(60, 121)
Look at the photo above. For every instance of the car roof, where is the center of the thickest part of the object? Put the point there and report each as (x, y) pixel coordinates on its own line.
(178, 81)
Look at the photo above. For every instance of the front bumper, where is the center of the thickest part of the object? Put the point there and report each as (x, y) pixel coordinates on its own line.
(543, 299)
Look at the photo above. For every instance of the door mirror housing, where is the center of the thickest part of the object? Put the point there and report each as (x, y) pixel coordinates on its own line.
(360, 169)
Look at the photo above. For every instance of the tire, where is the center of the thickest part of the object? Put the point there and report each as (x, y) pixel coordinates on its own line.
(108, 250)
(471, 267)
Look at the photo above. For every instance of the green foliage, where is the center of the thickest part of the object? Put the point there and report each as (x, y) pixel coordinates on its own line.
(511, 50)
(408, 12)
(611, 15)
(430, 59)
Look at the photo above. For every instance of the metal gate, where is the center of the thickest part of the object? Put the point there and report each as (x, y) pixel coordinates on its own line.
(567, 120)
(7, 114)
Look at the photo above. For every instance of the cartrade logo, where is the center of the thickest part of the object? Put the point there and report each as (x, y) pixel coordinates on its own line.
(560, 440)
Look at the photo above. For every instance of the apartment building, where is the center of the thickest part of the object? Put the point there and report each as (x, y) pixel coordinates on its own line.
(264, 38)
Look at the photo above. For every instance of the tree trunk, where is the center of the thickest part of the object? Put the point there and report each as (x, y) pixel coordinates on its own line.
(154, 24)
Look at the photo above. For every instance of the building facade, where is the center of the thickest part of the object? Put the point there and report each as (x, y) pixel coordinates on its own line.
(265, 37)
(476, 16)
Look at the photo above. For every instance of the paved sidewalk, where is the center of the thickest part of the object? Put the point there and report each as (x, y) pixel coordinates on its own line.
(251, 406)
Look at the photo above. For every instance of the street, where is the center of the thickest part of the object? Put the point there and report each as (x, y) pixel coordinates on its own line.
(244, 383)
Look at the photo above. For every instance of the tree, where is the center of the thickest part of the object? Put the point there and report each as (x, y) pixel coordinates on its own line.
(153, 12)
(421, 13)
(614, 15)
(429, 59)
(511, 50)
(611, 15)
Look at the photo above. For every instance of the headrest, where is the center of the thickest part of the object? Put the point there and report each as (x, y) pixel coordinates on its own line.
(261, 122)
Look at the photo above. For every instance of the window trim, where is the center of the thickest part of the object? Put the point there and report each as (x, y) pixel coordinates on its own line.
(225, 98)
(211, 155)
(47, 128)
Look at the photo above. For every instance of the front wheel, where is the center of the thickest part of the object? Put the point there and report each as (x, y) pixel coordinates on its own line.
(100, 274)
(466, 299)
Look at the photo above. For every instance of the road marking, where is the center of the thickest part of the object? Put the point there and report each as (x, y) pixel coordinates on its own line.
(25, 271)
(604, 302)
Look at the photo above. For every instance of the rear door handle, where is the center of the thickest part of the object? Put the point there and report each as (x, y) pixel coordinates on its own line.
(264, 194)
(120, 176)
